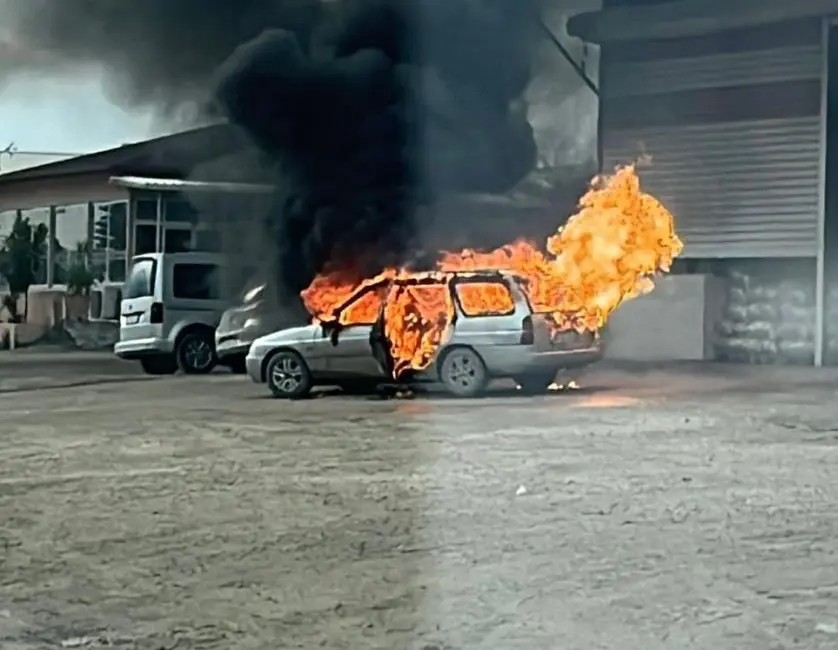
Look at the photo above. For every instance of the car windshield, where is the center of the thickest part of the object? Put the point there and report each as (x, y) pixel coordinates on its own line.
(140, 282)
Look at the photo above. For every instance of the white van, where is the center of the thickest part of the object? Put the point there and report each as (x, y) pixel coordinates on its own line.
(171, 305)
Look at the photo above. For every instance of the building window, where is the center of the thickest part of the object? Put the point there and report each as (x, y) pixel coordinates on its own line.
(72, 244)
(195, 282)
(177, 240)
(179, 211)
(110, 230)
(146, 210)
(145, 239)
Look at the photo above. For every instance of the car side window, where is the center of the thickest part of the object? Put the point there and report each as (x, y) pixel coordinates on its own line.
(484, 299)
(196, 282)
(364, 308)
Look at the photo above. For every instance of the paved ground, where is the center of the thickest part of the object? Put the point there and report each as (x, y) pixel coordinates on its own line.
(654, 509)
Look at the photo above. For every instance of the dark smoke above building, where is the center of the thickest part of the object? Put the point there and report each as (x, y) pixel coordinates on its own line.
(367, 109)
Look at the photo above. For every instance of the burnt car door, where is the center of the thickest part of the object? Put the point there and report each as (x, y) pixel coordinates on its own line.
(350, 354)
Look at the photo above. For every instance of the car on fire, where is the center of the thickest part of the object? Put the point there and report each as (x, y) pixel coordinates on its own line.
(512, 343)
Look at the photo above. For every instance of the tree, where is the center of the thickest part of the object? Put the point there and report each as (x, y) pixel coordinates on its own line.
(23, 254)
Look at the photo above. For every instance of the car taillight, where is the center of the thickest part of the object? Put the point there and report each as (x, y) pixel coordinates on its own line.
(527, 335)
(155, 315)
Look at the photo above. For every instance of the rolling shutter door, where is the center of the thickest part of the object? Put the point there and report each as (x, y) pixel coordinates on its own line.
(734, 141)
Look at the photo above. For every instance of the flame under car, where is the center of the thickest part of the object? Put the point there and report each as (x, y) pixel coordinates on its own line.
(503, 338)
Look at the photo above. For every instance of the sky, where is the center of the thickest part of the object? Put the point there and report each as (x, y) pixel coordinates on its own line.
(63, 115)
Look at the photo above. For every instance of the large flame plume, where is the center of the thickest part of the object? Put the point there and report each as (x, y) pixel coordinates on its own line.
(607, 253)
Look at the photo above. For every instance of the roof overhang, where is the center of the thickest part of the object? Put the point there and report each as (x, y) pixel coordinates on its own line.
(690, 18)
(175, 185)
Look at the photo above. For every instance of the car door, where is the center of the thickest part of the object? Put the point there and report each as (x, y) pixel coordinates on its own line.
(351, 353)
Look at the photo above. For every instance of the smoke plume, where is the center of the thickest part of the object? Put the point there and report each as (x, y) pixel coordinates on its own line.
(367, 108)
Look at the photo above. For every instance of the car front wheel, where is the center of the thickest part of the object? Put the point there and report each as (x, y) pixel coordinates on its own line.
(288, 376)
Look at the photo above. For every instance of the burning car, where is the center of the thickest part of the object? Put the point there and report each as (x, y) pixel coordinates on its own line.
(518, 311)
(486, 328)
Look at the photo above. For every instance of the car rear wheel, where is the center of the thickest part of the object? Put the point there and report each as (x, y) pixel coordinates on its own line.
(196, 353)
(162, 364)
(535, 383)
(463, 372)
(288, 376)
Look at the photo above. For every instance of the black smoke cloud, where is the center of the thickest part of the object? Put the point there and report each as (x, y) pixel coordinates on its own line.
(368, 109)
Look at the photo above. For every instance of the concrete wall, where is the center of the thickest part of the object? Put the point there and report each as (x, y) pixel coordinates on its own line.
(676, 322)
(60, 190)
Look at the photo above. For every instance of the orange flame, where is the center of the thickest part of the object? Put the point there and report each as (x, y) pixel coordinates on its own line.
(606, 253)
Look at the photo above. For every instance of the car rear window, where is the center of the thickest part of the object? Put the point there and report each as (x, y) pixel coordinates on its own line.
(140, 283)
(364, 309)
(484, 298)
(195, 282)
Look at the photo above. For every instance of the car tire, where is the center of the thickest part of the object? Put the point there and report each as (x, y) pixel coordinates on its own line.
(463, 373)
(288, 375)
(159, 364)
(536, 383)
(195, 353)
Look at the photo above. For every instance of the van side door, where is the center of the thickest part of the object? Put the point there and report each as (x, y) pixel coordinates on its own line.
(193, 295)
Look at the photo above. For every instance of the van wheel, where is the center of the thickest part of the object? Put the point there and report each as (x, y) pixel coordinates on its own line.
(535, 383)
(162, 364)
(463, 372)
(288, 376)
(196, 353)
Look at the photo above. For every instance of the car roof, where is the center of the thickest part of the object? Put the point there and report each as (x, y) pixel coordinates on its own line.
(431, 278)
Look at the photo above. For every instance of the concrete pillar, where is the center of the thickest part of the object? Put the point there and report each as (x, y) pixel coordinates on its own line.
(51, 246)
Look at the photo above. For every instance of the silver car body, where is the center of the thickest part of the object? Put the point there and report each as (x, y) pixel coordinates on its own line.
(241, 325)
(333, 356)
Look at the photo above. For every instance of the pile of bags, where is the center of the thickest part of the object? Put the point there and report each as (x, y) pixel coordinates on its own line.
(768, 321)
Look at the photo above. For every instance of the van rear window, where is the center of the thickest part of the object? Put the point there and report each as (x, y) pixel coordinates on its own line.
(484, 298)
(140, 283)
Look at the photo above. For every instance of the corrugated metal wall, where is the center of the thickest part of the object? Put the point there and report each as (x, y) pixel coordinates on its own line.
(734, 138)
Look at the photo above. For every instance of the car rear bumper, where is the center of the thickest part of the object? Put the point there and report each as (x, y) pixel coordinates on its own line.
(136, 348)
(509, 361)
(568, 358)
